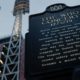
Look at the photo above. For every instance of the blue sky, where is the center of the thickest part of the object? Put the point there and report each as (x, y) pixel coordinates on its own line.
(36, 6)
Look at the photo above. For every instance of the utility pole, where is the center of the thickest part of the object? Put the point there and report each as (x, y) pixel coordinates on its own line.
(12, 62)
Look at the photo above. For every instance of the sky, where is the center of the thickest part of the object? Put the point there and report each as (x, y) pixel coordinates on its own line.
(36, 6)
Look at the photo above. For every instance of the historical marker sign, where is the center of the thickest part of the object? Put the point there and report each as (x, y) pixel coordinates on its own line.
(53, 42)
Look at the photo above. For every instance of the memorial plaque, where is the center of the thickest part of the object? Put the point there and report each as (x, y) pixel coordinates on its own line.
(53, 42)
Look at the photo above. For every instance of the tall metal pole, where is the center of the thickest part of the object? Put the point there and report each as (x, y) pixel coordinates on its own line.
(13, 50)
(12, 62)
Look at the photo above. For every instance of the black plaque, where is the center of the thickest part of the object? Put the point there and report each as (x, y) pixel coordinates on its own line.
(53, 42)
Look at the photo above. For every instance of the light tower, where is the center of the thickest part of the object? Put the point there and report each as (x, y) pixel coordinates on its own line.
(12, 61)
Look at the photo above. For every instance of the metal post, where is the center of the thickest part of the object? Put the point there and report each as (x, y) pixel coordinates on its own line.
(12, 67)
